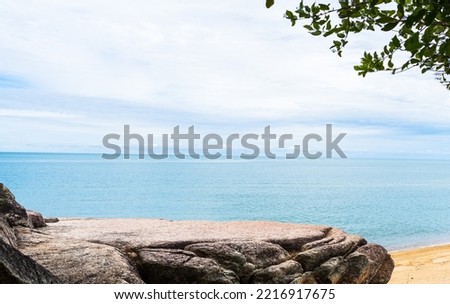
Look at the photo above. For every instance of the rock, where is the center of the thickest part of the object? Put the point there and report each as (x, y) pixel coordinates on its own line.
(259, 253)
(282, 273)
(17, 268)
(7, 234)
(161, 251)
(35, 219)
(225, 255)
(77, 261)
(157, 233)
(242, 257)
(383, 274)
(161, 266)
(216, 252)
(331, 271)
(306, 278)
(341, 246)
(49, 220)
(13, 212)
(363, 264)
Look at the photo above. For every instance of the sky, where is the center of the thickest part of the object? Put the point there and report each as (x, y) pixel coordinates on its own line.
(73, 71)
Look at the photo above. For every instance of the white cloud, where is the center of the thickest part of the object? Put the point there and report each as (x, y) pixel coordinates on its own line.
(154, 64)
(34, 114)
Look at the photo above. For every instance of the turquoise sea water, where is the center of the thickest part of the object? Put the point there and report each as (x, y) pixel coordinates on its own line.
(397, 203)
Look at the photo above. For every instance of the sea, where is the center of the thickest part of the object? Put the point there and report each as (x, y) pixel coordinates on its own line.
(396, 203)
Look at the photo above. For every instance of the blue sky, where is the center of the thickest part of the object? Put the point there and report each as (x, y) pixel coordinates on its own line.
(72, 72)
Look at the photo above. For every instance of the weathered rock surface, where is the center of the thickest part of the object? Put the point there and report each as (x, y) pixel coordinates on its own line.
(178, 266)
(231, 252)
(7, 234)
(16, 268)
(13, 212)
(77, 261)
(51, 220)
(35, 219)
(162, 251)
(364, 263)
(283, 273)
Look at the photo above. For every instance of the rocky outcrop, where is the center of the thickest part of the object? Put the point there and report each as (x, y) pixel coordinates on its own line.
(35, 219)
(364, 264)
(283, 273)
(7, 234)
(16, 268)
(160, 251)
(77, 261)
(13, 212)
(160, 266)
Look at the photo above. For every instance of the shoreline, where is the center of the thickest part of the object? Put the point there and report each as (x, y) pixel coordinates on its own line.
(419, 247)
(422, 265)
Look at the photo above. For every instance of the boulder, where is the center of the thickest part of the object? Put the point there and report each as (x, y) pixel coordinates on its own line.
(35, 219)
(160, 251)
(307, 278)
(384, 273)
(50, 220)
(364, 263)
(13, 212)
(7, 234)
(316, 255)
(77, 261)
(160, 266)
(225, 255)
(331, 271)
(282, 273)
(16, 268)
(242, 257)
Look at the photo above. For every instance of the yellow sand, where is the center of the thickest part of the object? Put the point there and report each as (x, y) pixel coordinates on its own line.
(428, 265)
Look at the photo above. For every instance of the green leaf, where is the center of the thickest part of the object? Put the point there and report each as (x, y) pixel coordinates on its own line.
(415, 17)
(269, 3)
(400, 11)
(385, 19)
(412, 44)
(328, 33)
(389, 26)
(430, 17)
(289, 15)
(396, 42)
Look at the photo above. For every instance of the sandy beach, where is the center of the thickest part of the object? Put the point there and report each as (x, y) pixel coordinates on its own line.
(427, 265)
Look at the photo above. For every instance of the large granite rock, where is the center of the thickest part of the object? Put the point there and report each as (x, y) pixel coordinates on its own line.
(35, 219)
(282, 273)
(77, 261)
(364, 264)
(161, 251)
(160, 266)
(16, 268)
(7, 234)
(217, 252)
(13, 212)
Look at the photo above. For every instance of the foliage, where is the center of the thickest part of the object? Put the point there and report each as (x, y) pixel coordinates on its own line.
(420, 30)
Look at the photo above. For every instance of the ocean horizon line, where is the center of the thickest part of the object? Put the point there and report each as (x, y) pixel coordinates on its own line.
(135, 156)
